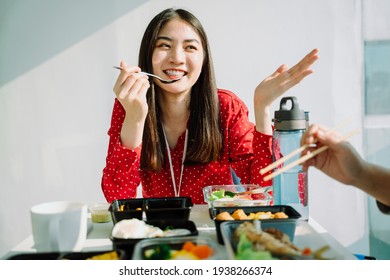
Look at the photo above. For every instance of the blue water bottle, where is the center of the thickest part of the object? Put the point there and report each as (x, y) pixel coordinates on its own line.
(290, 187)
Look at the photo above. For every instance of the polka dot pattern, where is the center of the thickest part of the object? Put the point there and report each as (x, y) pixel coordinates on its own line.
(245, 150)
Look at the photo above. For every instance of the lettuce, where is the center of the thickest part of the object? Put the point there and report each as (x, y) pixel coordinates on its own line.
(245, 251)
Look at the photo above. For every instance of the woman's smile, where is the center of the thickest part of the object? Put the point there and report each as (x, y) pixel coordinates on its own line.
(174, 74)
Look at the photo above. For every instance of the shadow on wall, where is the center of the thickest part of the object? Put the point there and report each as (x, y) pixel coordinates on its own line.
(25, 23)
(43, 130)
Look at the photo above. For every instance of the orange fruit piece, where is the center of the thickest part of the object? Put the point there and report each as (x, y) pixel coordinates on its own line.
(188, 246)
(202, 251)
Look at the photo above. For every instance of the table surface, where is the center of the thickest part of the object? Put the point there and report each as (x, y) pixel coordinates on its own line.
(307, 234)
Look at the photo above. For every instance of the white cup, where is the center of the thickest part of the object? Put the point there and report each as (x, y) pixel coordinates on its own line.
(59, 226)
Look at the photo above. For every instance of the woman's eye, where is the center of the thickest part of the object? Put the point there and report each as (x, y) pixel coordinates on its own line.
(163, 45)
(191, 48)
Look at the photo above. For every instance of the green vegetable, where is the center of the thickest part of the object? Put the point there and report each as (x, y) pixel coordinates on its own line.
(245, 251)
(243, 244)
(217, 195)
(221, 194)
(160, 252)
(229, 194)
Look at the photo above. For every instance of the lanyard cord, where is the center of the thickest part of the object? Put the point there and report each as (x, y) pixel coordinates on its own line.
(177, 191)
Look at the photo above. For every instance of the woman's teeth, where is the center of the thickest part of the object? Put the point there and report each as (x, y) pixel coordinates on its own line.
(174, 73)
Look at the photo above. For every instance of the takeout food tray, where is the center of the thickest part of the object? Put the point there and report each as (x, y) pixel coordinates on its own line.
(162, 208)
(128, 244)
(286, 225)
(221, 195)
(232, 242)
(65, 255)
(173, 243)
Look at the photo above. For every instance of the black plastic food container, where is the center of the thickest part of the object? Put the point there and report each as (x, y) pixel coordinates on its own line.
(287, 225)
(161, 208)
(64, 255)
(127, 245)
(126, 209)
(174, 243)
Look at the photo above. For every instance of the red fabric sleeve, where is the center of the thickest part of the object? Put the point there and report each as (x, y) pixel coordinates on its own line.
(120, 175)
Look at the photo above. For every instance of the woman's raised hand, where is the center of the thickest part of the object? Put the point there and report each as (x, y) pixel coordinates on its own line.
(130, 89)
(283, 79)
(275, 85)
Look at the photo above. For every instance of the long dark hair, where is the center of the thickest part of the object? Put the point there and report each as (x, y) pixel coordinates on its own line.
(204, 131)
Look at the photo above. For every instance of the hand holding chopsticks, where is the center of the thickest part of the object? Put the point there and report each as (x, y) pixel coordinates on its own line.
(302, 159)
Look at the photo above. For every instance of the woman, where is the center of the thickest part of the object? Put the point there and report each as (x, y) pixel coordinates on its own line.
(205, 129)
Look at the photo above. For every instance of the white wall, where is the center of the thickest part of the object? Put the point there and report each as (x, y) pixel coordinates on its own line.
(54, 117)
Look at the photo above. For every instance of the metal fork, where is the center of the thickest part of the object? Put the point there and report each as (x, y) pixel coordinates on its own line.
(155, 76)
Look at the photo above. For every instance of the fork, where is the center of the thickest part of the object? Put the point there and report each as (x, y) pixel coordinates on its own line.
(155, 76)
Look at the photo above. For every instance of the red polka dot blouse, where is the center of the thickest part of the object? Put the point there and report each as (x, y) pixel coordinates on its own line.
(246, 151)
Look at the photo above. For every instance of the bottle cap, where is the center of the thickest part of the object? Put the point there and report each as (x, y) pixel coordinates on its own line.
(290, 117)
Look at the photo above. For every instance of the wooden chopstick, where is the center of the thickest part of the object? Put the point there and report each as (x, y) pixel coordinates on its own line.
(309, 155)
(299, 150)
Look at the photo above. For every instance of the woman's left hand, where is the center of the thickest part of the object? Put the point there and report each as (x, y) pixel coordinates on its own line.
(278, 83)
(283, 79)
